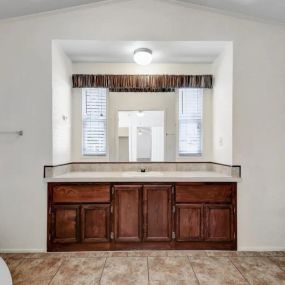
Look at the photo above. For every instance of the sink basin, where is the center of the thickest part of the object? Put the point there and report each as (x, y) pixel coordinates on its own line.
(142, 174)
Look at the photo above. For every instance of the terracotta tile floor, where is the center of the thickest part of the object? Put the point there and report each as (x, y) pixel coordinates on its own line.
(148, 267)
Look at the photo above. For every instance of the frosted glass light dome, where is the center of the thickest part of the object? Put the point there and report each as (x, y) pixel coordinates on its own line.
(143, 56)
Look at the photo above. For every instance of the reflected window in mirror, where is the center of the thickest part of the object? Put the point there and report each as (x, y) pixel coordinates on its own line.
(94, 121)
(190, 121)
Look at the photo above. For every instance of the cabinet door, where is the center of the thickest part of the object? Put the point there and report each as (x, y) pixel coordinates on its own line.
(219, 222)
(157, 212)
(127, 213)
(189, 222)
(95, 223)
(65, 223)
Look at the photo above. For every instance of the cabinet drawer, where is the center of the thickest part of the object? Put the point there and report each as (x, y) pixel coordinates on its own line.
(81, 193)
(204, 193)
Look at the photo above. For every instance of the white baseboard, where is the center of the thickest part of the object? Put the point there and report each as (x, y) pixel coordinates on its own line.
(32, 250)
(262, 248)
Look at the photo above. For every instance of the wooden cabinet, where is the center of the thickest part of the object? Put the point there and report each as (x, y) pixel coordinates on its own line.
(95, 223)
(157, 212)
(204, 192)
(78, 216)
(128, 213)
(219, 223)
(85, 193)
(206, 212)
(204, 222)
(89, 216)
(189, 222)
(65, 223)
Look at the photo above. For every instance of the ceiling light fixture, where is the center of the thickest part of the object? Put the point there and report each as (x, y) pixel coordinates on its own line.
(143, 56)
(140, 113)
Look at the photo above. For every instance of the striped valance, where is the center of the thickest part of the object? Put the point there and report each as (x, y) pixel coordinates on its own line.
(142, 83)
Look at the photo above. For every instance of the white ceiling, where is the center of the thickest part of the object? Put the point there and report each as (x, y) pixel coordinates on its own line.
(122, 51)
(15, 8)
(270, 10)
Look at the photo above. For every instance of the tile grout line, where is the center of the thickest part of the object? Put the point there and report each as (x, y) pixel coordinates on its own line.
(238, 270)
(207, 253)
(188, 257)
(22, 260)
(279, 265)
(102, 271)
(62, 261)
(147, 271)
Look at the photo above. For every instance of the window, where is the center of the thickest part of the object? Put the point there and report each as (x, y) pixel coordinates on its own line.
(190, 117)
(94, 121)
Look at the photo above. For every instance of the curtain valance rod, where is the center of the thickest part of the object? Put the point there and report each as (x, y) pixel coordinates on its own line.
(141, 83)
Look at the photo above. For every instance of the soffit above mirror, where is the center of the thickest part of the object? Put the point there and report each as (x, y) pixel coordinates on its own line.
(162, 51)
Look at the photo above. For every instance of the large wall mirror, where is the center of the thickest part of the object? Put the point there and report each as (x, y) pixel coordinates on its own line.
(143, 126)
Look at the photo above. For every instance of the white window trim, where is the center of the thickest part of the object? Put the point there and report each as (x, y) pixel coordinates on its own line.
(103, 157)
(186, 157)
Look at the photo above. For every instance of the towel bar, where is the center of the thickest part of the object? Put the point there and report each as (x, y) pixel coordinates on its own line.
(20, 133)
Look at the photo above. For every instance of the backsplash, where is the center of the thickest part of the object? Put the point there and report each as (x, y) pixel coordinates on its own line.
(51, 171)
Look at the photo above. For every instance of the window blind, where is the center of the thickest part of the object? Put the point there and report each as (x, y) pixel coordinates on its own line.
(94, 115)
(190, 121)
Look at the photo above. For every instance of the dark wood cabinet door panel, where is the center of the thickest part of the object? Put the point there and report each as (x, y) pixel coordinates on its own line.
(95, 223)
(81, 193)
(219, 222)
(157, 212)
(189, 222)
(65, 223)
(204, 193)
(128, 213)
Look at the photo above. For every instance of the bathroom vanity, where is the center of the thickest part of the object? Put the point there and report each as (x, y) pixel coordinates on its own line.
(141, 214)
(137, 170)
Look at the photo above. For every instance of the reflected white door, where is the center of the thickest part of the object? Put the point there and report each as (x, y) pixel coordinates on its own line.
(146, 137)
(144, 144)
(157, 153)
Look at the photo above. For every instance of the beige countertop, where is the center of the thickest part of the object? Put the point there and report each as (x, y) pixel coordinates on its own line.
(151, 176)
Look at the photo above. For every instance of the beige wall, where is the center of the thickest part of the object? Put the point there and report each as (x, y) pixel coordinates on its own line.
(61, 105)
(26, 103)
(133, 68)
(223, 107)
